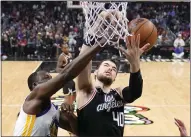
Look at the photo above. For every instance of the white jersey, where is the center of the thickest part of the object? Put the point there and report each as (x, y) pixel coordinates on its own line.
(44, 124)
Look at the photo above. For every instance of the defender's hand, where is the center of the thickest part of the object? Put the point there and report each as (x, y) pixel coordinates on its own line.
(181, 127)
(67, 108)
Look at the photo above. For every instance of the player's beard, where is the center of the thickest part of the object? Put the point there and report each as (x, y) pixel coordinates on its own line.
(105, 80)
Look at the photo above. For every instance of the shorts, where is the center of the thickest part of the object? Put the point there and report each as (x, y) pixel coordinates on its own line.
(69, 88)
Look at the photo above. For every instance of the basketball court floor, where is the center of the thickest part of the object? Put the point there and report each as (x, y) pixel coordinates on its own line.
(166, 95)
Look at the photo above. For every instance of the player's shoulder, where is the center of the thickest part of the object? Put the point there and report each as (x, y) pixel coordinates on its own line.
(118, 90)
(70, 54)
(62, 56)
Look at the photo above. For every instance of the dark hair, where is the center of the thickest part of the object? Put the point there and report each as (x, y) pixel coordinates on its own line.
(63, 44)
(31, 79)
(112, 60)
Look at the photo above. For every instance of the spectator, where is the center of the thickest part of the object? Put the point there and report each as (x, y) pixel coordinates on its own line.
(179, 41)
(49, 45)
(22, 46)
(31, 47)
(5, 45)
(39, 45)
(56, 46)
(178, 50)
(71, 37)
(14, 46)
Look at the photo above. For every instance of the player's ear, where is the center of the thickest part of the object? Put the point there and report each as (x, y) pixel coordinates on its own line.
(95, 74)
(34, 84)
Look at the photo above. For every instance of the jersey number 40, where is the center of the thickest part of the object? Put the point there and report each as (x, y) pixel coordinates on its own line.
(119, 118)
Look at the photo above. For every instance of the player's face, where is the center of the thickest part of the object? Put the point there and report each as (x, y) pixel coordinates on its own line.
(65, 49)
(107, 72)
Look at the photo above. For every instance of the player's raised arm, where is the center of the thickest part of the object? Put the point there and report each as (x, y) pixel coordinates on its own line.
(134, 90)
(84, 82)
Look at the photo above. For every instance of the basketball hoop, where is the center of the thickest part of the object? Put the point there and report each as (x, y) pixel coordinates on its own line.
(103, 17)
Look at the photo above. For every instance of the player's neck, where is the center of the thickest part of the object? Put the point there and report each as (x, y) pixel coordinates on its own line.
(65, 53)
(105, 88)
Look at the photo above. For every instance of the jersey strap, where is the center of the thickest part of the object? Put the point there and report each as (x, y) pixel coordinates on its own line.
(89, 100)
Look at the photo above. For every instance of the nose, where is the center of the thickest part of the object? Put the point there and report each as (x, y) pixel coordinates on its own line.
(110, 69)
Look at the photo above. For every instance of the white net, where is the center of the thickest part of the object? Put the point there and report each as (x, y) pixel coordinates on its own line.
(105, 21)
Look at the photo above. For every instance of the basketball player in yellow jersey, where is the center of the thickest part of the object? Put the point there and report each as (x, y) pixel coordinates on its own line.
(38, 116)
(69, 87)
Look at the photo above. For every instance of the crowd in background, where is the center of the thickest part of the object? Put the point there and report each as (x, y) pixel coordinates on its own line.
(37, 29)
(170, 18)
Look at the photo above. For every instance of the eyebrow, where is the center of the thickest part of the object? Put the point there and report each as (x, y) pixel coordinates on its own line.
(109, 64)
(114, 67)
(106, 63)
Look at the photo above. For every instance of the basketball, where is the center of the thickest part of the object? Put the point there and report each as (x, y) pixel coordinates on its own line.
(146, 29)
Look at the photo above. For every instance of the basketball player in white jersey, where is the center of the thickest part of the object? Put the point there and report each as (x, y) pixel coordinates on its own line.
(38, 116)
(69, 87)
(101, 108)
